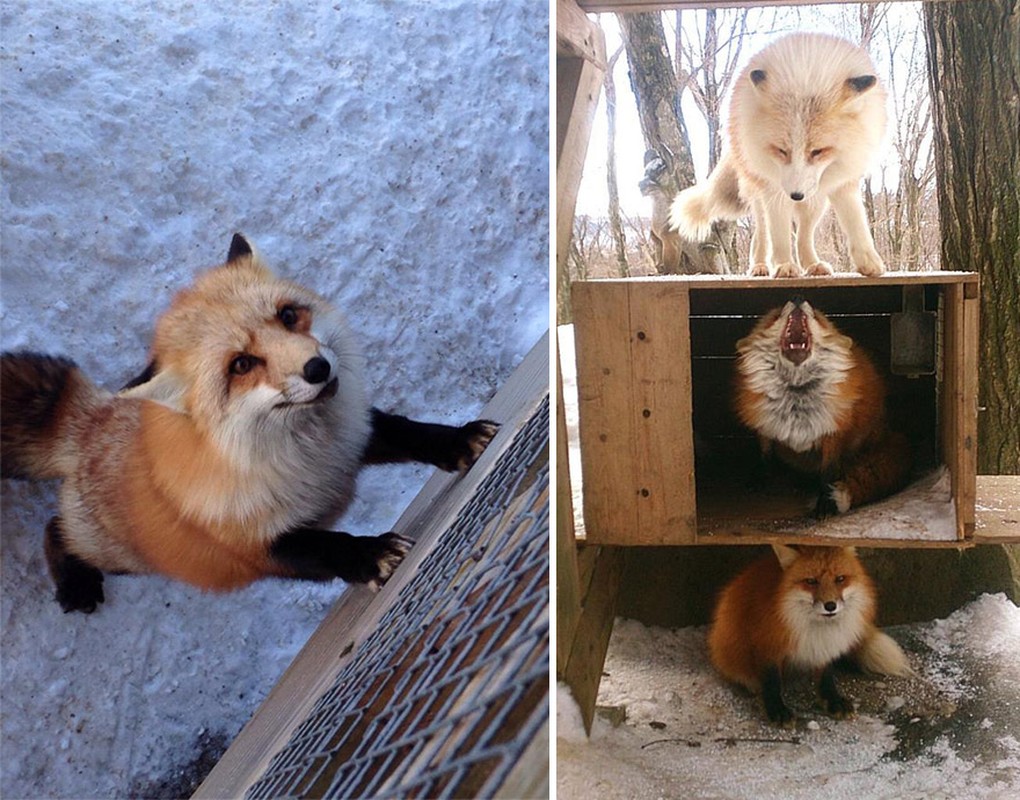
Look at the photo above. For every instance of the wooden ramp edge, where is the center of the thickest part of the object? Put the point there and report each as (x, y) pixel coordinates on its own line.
(358, 611)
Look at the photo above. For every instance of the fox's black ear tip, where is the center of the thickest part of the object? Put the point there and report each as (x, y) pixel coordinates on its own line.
(239, 248)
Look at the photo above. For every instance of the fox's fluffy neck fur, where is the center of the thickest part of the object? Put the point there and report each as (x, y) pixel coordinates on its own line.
(817, 639)
(798, 404)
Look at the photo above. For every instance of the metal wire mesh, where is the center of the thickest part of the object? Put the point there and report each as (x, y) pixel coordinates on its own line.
(451, 687)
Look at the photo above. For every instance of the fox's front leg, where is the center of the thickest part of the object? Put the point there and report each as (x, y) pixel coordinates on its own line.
(395, 438)
(79, 584)
(835, 703)
(318, 555)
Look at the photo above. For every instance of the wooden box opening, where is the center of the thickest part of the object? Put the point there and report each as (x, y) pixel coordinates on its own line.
(665, 459)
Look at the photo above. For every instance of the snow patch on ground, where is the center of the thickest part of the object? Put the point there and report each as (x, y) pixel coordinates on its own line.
(948, 732)
(392, 156)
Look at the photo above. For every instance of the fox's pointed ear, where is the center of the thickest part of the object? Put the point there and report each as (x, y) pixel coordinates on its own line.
(239, 248)
(165, 388)
(758, 77)
(786, 554)
(861, 83)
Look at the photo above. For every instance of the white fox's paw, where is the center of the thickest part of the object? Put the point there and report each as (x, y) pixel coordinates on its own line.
(868, 263)
(788, 270)
(759, 270)
(819, 269)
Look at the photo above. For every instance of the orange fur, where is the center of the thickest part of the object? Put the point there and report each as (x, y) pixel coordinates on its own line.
(853, 448)
(749, 631)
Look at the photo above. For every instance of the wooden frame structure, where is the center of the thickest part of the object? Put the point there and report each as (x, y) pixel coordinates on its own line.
(589, 573)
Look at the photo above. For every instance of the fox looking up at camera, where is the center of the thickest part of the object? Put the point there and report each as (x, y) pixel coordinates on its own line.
(817, 403)
(806, 119)
(221, 463)
(800, 609)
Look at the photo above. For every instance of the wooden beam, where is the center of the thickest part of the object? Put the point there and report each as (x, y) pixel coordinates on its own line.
(998, 510)
(578, 86)
(596, 6)
(587, 656)
(568, 591)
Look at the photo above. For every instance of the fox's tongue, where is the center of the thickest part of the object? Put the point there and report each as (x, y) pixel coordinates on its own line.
(795, 342)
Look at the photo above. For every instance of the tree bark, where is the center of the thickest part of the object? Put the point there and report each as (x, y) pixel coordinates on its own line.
(654, 84)
(612, 184)
(974, 74)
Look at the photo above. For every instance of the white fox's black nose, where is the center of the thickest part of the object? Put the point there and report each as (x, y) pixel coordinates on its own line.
(316, 370)
(798, 196)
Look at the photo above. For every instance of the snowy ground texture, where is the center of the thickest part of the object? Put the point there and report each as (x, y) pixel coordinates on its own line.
(391, 155)
(950, 732)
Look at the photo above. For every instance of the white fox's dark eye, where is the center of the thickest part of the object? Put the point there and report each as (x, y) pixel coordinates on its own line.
(242, 365)
(288, 315)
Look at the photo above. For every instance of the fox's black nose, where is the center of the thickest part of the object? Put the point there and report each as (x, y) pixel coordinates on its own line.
(316, 370)
(798, 196)
(830, 605)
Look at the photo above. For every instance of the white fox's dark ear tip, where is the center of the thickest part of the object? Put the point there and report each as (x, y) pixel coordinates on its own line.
(239, 248)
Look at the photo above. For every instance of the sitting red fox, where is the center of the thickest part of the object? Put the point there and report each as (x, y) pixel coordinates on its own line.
(801, 609)
(817, 402)
(221, 462)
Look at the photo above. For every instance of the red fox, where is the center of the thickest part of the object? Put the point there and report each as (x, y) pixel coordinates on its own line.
(803, 609)
(817, 403)
(222, 462)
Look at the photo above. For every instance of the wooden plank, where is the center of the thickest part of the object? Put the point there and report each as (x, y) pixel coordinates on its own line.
(587, 656)
(530, 775)
(602, 332)
(357, 612)
(952, 392)
(576, 36)
(596, 6)
(662, 447)
(997, 509)
(732, 282)
(568, 591)
(967, 431)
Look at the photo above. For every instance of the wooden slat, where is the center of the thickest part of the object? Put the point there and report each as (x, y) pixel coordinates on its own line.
(731, 282)
(357, 612)
(967, 440)
(568, 591)
(661, 404)
(606, 429)
(596, 6)
(998, 510)
(583, 671)
(578, 86)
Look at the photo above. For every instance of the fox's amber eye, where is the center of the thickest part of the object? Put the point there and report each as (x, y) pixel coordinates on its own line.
(288, 315)
(819, 152)
(840, 578)
(242, 365)
(811, 581)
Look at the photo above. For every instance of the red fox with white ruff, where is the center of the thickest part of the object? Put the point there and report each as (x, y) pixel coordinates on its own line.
(817, 403)
(806, 118)
(800, 609)
(223, 461)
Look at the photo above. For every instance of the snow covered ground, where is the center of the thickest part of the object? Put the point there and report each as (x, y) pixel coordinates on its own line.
(953, 731)
(392, 155)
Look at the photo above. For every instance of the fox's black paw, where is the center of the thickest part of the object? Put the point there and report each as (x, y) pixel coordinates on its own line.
(840, 708)
(834, 499)
(469, 442)
(81, 588)
(378, 557)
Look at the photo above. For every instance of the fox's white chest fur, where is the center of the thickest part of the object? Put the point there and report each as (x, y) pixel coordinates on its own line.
(799, 403)
(820, 639)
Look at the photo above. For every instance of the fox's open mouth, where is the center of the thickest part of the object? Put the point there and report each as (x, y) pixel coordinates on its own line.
(795, 343)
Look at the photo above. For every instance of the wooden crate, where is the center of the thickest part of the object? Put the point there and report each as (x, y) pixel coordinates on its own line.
(654, 370)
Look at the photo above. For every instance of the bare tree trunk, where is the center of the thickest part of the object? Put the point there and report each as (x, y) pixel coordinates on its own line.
(974, 70)
(615, 225)
(654, 83)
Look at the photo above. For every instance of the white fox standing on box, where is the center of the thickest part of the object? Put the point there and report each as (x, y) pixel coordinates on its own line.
(806, 118)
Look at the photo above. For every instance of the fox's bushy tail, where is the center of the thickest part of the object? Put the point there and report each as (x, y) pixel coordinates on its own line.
(40, 398)
(879, 653)
(718, 197)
